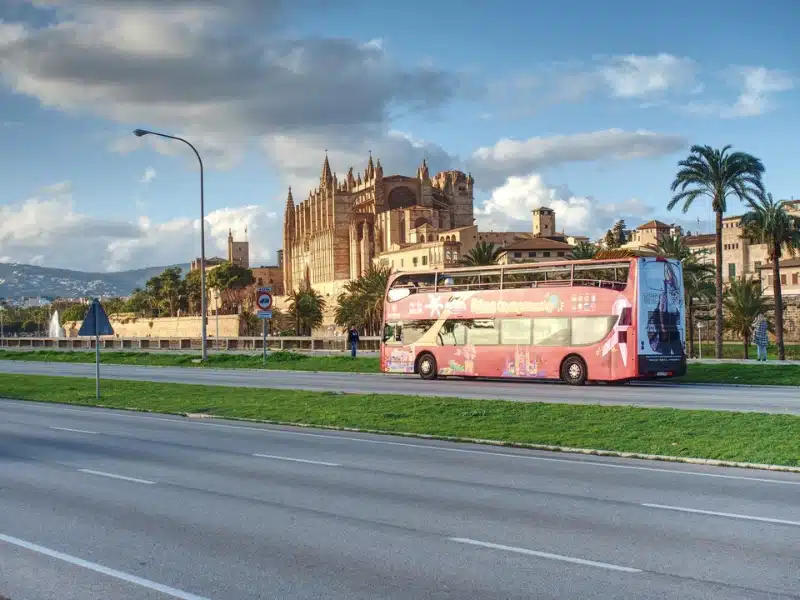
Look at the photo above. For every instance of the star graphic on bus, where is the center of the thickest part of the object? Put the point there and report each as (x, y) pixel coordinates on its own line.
(435, 306)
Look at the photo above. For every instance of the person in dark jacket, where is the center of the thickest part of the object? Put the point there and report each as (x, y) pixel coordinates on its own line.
(352, 341)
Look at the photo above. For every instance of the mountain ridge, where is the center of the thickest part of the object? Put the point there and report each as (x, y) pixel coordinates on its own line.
(18, 280)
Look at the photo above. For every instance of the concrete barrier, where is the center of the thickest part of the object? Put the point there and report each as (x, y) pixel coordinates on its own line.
(247, 344)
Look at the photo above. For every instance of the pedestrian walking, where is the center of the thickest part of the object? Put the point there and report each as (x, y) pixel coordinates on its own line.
(760, 336)
(352, 341)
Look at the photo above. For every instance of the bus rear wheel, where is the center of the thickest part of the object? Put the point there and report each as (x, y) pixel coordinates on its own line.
(573, 371)
(426, 366)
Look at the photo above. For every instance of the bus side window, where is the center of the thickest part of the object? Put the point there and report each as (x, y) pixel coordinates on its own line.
(392, 332)
(453, 333)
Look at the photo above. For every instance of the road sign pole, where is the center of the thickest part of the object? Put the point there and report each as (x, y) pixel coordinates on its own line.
(97, 354)
(265, 340)
(264, 304)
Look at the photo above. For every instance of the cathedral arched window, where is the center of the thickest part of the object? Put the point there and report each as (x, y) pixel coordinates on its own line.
(402, 197)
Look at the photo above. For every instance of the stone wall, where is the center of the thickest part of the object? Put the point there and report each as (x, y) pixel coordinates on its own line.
(167, 327)
(791, 323)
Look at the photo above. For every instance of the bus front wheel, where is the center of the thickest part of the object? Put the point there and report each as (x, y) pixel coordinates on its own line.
(573, 371)
(426, 366)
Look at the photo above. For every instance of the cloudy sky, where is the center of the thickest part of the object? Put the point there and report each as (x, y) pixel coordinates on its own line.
(582, 106)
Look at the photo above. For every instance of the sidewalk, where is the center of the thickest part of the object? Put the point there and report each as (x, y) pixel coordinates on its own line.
(739, 361)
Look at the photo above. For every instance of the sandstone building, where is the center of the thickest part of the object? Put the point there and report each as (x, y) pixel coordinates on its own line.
(343, 226)
(742, 257)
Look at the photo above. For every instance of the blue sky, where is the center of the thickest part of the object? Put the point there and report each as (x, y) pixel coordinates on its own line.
(582, 106)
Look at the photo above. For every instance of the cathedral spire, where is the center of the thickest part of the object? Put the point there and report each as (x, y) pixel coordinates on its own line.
(327, 175)
(289, 198)
(423, 172)
(370, 173)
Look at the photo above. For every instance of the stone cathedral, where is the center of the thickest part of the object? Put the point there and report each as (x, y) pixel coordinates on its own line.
(343, 225)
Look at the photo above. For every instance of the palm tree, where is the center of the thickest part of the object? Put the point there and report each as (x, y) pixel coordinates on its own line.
(698, 286)
(672, 246)
(361, 303)
(744, 300)
(769, 222)
(584, 251)
(717, 174)
(485, 253)
(306, 306)
(696, 277)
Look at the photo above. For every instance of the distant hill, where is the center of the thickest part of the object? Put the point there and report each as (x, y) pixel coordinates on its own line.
(22, 281)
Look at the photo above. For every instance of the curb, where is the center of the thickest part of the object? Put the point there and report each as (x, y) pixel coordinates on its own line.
(522, 445)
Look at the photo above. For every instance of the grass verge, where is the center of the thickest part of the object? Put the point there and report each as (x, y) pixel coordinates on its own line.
(292, 361)
(755, 374)
(742, 374)
(741, 437)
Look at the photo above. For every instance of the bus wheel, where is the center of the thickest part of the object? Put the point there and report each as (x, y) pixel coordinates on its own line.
(426, 366)
(573, 371)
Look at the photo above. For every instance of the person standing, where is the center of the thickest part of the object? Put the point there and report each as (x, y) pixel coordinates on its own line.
(760, 336)
(352, 341)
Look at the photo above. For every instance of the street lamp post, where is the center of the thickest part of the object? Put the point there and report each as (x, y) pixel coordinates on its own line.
(203, 304)
(700, 338)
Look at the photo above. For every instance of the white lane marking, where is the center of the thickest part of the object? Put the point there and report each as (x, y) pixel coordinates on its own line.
(548, 555)
(723, 514)
(298, 460)
(79, 562)
(74, 430)
(113, 476)
(430, 447)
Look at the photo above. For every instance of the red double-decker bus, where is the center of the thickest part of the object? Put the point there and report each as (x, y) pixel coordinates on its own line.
(578, 321)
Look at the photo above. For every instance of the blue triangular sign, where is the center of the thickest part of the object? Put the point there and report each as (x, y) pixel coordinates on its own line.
(96, 321)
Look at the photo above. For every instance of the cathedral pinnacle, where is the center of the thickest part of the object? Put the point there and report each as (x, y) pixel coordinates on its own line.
(289, 198)
(423, 172)
(370, 172)
(327, 175)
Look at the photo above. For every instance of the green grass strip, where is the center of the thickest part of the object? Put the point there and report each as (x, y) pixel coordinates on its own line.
(741, 437)
(291, 361)
(748, 374)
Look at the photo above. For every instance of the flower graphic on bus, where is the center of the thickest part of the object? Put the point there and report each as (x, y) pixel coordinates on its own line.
(435, 305)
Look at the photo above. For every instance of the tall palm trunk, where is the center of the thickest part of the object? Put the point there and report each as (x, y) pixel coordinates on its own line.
(690, 323)
(776, 288)
(718, 278)
(746, 347)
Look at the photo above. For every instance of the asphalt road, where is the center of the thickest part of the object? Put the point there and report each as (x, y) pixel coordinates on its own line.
(763, 399)
(115, 505)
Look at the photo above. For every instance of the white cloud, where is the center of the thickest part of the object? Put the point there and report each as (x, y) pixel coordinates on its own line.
(653, 81)
(759, 86)
(149, 175)
(492, 164)
(48, 230)
(635, 76)
(510, 205)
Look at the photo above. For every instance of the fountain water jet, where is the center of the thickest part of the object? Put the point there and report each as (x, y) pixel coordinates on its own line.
(55, 330)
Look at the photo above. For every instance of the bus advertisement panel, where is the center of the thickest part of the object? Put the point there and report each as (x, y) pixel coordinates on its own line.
(661, 317)
(576, 321)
